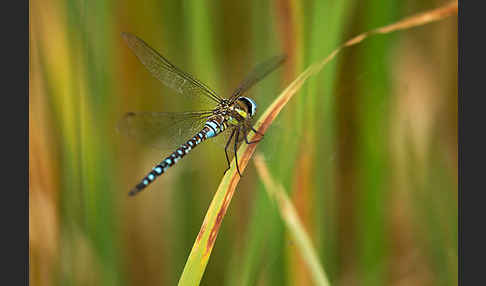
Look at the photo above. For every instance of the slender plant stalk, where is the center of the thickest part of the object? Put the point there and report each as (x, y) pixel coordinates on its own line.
(203, 246)
(291, 219)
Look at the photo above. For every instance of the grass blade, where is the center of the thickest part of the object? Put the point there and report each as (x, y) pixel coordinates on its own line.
(203, 246)
(291, 219)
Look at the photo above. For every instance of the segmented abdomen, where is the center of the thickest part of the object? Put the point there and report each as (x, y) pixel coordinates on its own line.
(212, 128)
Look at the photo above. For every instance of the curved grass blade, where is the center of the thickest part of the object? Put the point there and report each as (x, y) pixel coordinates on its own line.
(289, 215)
(201, 250)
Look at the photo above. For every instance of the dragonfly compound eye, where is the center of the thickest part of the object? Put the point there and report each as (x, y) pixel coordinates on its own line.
(250, 105)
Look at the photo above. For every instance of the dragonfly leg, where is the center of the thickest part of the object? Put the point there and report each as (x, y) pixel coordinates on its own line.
(226, 150)
(251, 142)
(235, 149)
(256, 131)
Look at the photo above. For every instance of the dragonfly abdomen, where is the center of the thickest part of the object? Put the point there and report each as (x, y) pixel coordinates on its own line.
(214, 127)
(211, 128)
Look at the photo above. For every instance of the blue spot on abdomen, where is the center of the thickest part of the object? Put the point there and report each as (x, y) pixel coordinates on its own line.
(210, 133)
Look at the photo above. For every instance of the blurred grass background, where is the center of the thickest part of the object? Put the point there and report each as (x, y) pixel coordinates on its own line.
(367, 149)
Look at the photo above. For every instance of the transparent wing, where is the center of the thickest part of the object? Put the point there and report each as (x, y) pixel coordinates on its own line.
(167, 73)
(258, 73)
(162, 130)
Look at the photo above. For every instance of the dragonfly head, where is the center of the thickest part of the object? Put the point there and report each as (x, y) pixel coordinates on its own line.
(248, 104)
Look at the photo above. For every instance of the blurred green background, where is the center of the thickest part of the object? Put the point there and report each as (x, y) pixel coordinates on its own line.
(367, 149)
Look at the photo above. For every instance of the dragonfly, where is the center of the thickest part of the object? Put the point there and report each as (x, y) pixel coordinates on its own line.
(231, 115)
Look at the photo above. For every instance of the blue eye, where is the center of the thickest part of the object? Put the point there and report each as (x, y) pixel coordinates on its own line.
(250, 104)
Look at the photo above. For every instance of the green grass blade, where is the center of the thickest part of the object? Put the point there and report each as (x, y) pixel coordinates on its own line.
(201, 250)
(203, 246)
(291, 219)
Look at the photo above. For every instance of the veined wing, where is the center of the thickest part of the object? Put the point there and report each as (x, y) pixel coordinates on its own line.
(162, 130)
(166, 72)
(258, 73)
